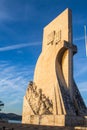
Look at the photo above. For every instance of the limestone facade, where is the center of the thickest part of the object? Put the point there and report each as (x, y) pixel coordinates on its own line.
(53, 97)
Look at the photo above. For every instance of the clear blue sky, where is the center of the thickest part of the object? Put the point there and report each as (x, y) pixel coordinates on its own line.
(21, 30)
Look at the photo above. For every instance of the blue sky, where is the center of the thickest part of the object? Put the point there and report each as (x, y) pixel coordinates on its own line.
(21, 31)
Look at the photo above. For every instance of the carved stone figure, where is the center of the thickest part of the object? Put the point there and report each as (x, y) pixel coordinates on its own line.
(40, 104)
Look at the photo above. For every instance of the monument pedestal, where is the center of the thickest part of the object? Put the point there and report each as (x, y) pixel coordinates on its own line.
(56, 120)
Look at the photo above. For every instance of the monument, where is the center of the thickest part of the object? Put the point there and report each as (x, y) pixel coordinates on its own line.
(53, 97)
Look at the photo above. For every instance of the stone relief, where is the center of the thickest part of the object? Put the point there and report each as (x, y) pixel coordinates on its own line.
(39, 103)
(50, 38)
(54, 37)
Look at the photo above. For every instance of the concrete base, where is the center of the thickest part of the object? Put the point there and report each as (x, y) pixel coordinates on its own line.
(56, 120)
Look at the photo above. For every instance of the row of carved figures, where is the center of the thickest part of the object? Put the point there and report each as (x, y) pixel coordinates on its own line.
(39, 103)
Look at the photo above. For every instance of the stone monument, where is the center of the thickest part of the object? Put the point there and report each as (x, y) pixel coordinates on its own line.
(53, 97)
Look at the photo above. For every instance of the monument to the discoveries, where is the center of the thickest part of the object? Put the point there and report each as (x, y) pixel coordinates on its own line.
(53, 97)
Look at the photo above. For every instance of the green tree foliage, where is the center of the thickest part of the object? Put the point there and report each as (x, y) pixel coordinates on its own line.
(1, 105)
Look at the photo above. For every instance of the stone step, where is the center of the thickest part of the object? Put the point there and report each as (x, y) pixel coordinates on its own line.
(80, 128)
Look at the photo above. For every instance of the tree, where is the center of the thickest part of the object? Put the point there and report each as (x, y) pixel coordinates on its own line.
(1, 105)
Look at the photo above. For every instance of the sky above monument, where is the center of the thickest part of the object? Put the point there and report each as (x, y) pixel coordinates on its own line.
(21, 33)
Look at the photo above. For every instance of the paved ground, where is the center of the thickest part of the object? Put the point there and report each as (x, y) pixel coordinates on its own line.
(11, 126)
